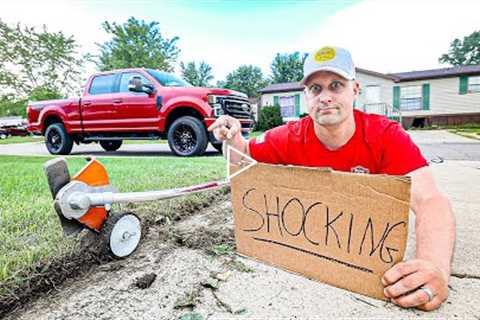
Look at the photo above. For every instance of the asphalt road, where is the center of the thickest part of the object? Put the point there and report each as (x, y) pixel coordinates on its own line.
(436, 145)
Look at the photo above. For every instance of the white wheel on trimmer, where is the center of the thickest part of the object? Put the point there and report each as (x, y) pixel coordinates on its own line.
(123, 233)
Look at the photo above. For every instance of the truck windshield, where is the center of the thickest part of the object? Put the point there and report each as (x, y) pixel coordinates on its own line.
(167, 79)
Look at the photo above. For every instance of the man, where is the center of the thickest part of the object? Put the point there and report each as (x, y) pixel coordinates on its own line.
(337, 136)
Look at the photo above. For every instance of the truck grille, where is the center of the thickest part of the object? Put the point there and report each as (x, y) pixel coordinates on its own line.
(236, 106)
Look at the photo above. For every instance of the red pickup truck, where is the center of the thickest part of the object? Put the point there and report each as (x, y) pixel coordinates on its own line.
(137, 104)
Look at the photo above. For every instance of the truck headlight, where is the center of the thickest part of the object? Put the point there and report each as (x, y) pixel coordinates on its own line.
(212, 99)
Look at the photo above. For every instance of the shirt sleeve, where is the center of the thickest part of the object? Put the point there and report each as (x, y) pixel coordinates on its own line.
(400, 154)
(271, 146)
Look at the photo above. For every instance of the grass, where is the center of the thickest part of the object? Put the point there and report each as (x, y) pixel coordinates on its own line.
(469, 132)
(255, 134)
(17, 139)
(30, 232)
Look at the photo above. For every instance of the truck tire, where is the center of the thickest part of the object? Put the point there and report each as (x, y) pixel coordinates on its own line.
(111, 145)
(187, 137)
(218, 146)
(57, 140)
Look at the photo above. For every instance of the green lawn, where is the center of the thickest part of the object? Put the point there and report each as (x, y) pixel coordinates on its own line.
(472, 132)
(25, 139)
(11, 140)
(255, 134)
(29, 228)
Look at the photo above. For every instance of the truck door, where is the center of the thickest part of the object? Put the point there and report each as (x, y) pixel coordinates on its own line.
(98, 112)
(137, 109)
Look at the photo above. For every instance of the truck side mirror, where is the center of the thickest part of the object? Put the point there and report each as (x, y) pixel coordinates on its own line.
(135, 84)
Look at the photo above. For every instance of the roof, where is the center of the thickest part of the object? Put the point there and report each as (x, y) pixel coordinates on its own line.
(395, 77)
(375, 74)
(436, 73)
(282, 87)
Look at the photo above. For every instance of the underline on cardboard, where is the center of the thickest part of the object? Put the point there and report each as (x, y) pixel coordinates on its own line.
(347, 264)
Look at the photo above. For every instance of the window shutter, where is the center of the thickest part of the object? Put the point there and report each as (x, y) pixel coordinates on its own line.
(396, 97)
(426, 96)
(463, 89)
(297, 105)
(275, 101)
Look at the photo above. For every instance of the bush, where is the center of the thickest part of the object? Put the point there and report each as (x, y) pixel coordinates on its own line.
(270, 117)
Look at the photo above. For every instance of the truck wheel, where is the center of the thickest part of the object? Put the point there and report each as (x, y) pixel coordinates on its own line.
(111, 145)
(57, 140)
(187, 137)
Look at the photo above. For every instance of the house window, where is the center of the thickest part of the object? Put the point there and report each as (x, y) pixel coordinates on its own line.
(411, 98)
(372, 94)
(474, 84)
(287, 106)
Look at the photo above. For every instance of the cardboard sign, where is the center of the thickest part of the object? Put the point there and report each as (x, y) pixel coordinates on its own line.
(343, 229)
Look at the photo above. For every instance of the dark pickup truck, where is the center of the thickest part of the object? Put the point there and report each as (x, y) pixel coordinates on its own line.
(137, 104)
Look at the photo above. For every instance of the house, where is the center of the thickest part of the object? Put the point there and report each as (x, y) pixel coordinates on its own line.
(446, 96)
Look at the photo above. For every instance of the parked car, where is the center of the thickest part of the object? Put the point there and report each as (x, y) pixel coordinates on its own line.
(13, 126)
(133, 104)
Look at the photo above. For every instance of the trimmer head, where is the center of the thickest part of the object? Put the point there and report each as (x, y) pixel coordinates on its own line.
(85, 201)
(58, 176)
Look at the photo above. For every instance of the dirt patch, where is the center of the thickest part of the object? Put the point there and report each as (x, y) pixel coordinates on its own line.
(45, 278)
(212, 228)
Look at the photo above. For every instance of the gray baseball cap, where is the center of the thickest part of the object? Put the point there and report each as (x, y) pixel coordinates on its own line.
(333, 59)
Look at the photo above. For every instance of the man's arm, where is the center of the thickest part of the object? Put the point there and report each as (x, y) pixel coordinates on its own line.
(435, 239)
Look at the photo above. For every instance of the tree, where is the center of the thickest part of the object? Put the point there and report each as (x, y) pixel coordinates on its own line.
(464, 52)
(287, 67)
(198, 77)
(137, 44)
(247, 79)
(32, 59)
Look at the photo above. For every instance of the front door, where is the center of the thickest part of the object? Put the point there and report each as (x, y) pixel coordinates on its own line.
(137, 110)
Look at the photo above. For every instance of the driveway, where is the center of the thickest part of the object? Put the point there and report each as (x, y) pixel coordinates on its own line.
(146, 149)
(443, 145)
(436, 145)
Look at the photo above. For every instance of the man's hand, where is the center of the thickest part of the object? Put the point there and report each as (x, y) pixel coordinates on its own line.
(225, 128)
(402, 283)
(229, 130)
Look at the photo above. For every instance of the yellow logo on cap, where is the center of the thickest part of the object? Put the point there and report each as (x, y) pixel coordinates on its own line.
(324, 54)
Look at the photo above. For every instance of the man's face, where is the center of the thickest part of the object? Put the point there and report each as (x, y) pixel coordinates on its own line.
(330, 98)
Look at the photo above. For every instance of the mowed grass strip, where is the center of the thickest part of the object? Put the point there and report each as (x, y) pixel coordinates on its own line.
(30, 231)
(18, 139)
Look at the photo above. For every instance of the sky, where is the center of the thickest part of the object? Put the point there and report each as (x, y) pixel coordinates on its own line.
(382, 35)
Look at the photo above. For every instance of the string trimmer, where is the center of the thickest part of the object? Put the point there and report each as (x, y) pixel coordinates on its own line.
(85, 201)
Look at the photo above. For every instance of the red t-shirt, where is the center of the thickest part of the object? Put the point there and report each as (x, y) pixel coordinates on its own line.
(378, 145)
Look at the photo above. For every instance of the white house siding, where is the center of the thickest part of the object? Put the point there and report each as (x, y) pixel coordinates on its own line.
(386, 91)
(444, 97)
